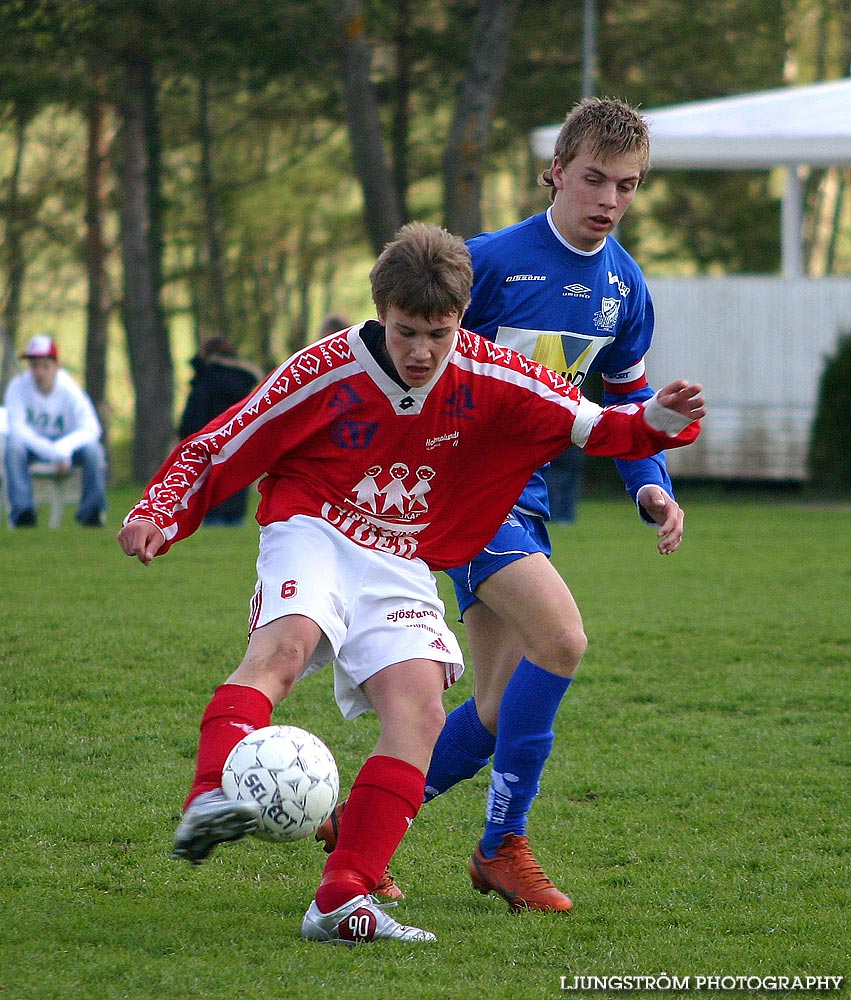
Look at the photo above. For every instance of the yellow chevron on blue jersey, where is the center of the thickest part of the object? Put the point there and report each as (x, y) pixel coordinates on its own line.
(569, 354)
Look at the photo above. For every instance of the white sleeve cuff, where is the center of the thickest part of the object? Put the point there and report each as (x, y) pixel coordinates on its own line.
(666, 421)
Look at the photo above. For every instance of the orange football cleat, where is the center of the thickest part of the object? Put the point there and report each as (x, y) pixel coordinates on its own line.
(514, 873)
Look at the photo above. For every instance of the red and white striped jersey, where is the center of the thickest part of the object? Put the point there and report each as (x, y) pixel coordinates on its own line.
(426, 473)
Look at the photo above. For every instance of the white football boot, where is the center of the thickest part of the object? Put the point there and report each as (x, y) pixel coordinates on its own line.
(212, 819)
(361, 919)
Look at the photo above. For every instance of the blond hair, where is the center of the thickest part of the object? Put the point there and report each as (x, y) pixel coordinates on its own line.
(605, 128)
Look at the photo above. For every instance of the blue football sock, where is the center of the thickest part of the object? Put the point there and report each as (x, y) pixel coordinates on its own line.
(462, 750)
(524, 741)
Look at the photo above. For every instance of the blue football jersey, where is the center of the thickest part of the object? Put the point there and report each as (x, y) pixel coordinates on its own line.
(573, 312)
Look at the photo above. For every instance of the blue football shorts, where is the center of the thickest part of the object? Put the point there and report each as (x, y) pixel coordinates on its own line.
(519, 535)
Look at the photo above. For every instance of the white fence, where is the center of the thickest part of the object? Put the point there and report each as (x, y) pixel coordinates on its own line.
(759, 346)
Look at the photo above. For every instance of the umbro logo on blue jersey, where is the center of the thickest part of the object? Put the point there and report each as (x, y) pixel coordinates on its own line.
(577, 290)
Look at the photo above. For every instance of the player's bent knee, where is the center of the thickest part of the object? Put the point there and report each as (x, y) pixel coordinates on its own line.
(429, 722)
(274, 669)
(563, 655)
(436, 719)
(287, 664)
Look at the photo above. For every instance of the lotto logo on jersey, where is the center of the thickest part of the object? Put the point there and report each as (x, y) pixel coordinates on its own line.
(309, 363)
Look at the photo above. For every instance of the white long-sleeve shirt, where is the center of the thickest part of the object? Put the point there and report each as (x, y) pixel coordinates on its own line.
(53, 425)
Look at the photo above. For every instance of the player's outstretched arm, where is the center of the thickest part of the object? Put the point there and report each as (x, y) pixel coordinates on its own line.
(142, 539)
(685, 398)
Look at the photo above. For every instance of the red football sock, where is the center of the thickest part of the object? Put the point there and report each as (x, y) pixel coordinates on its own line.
(233, 712)
(382, 804)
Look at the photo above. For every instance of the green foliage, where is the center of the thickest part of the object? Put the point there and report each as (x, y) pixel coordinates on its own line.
(287, 199)
(830, 443)
(720, 207)
(659, 53)
(695, 806)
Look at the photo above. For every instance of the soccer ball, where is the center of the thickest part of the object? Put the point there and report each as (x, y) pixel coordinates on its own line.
(290, 774)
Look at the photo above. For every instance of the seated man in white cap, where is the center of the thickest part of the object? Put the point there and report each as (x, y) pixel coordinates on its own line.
(51, 419)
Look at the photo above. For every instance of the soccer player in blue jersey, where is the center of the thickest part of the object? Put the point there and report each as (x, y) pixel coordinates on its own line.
(560, 288)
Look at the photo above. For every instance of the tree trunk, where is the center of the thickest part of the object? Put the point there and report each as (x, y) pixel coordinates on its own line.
(217, 309)
(402, 101)
(382, 207)
(13, 255)
(464, 159)
(147, 338)
(99, 303)
(306, 258)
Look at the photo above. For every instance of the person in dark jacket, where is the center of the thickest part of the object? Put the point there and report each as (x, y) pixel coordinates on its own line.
(221, 379)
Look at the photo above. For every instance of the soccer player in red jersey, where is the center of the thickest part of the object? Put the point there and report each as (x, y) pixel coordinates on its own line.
(386, 451)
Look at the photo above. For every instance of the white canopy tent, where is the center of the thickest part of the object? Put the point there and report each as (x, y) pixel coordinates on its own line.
(789, 128)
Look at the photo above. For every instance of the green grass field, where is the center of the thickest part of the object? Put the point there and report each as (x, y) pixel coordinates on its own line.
(696, 806)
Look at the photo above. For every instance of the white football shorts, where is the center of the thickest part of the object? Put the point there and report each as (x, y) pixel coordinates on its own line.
(374, 608)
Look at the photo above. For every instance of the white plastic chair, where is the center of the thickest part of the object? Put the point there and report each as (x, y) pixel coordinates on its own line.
(51, 487)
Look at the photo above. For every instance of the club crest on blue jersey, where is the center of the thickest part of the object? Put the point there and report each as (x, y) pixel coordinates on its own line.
(607, 315)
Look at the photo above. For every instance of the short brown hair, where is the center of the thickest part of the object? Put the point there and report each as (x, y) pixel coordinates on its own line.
(217, 345)
(604, 127)
(425, 272)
